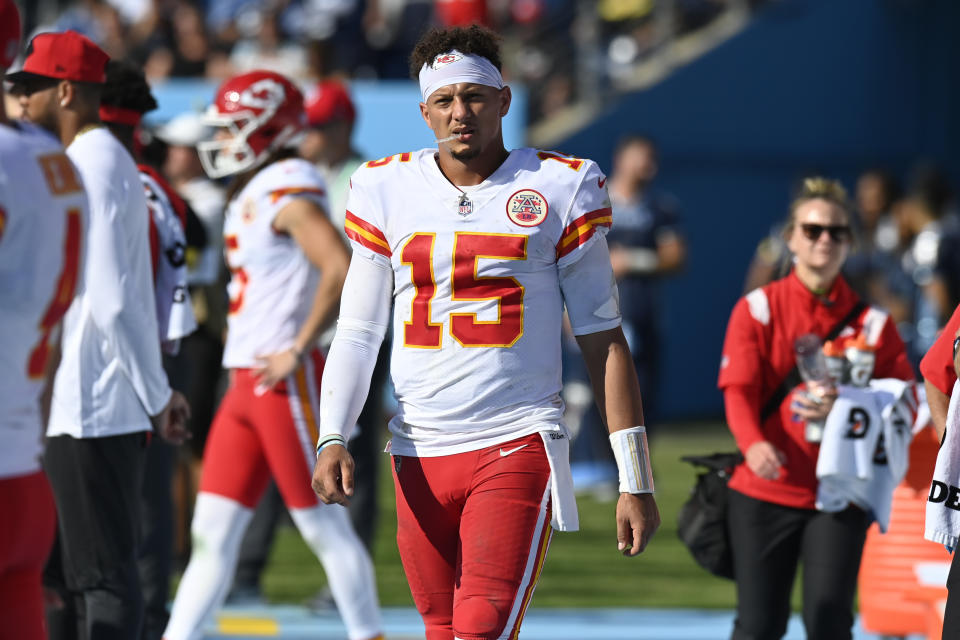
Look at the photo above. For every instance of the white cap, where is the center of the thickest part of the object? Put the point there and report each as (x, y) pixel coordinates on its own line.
(185, 130)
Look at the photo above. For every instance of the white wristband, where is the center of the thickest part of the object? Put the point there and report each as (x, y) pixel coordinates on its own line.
(326, 441)
(633, 460)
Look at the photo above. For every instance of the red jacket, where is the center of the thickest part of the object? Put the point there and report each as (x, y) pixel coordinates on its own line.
(758, 353)
(937, 364)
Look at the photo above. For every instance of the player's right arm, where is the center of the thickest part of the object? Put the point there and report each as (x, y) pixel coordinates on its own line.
(364, 318)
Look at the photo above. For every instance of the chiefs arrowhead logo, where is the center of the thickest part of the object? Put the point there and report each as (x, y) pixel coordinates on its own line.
(444, 59)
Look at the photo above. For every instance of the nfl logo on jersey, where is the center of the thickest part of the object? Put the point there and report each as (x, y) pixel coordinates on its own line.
(465, 207)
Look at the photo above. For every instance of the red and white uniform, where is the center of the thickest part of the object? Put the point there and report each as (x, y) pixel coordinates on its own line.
(43, 213)
(478, 284)
(758, 353)
(477, 297)
(271, 292)
(43, 220)
(260, 433)
(271, 280)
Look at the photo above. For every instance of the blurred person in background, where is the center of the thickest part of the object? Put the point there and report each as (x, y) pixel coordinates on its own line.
(873, 268)
(327, 142)
(126, 98)
(287, 265)
(772, 519)
(179, 46)
(43, 218)
(646, 244)
(264, 46)
(206, 272)
(198, 363)
(930, 231)
(110, 390)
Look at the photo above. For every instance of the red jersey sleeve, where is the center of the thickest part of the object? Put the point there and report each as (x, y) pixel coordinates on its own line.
(740, 363)
(937, 366)
(740, 366)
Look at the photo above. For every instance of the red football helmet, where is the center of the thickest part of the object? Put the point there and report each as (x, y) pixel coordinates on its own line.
(9, 32)
(262, 111)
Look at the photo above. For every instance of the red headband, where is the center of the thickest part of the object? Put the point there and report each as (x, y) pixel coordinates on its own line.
(119, 115)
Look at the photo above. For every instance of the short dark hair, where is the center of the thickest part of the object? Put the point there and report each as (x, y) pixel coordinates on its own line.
(474, 39)
(127, 88)
(631, 139)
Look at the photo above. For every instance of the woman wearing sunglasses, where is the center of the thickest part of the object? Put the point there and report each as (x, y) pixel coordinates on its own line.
(773, 522)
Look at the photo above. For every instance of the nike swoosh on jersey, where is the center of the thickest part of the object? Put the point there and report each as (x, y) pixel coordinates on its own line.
(602, 180)
(504, 454)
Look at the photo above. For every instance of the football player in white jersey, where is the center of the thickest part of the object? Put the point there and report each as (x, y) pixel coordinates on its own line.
(287, 266)
(479, 249)
(43, 214)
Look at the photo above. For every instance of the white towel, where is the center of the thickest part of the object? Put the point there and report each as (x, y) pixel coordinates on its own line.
(564, 503)
(865, 448)
(943, 503)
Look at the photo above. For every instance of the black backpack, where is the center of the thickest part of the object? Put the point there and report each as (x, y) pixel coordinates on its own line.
(702, 522)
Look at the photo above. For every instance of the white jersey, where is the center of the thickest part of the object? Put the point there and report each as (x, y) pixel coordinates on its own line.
(271, 281)
(111, 379)
(865, 449)
(477, 298)
(175, 319)
(43, 220)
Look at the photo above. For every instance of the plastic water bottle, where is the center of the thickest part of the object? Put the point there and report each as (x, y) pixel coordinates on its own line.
(813, 369)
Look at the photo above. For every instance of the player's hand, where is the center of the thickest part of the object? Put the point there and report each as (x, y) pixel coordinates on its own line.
(274, 368)
(333, 475)
(637, 520)
(171, 422)
(765, 460)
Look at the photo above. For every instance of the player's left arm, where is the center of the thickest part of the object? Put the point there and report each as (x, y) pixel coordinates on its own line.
(617, 393)
(308, 225)
(592, 301)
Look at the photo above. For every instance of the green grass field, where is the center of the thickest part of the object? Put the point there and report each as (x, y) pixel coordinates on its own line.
(583, 569)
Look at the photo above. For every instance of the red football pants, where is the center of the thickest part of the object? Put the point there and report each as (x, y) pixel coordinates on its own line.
(255, 436)
(473, 530)
(26, 537)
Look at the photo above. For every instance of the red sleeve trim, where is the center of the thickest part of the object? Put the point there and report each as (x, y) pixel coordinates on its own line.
(276, 194)
(582, 229)
(367, 235)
